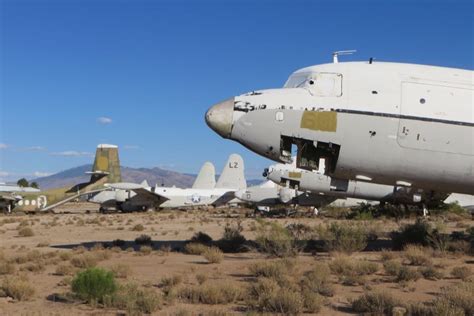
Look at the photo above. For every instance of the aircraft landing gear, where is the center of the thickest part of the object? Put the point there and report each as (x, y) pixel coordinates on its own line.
(425, 210)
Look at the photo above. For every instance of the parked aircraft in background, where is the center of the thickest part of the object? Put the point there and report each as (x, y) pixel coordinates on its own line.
(9, 195)
(396, 124)
(269, 194)
(131, 196)
(106, 169)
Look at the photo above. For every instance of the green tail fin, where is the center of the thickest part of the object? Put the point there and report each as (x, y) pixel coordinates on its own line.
(106, 162)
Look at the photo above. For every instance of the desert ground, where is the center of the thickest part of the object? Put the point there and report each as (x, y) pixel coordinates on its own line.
(313, 269)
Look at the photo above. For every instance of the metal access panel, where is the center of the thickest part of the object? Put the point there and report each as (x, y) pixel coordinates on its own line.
(436, 118)
(325, 84)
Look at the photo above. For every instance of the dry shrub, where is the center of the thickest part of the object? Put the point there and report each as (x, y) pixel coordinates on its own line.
(267, 296)
(193, 248)
(406, 274)
(201, 278)
(313, 302)
(26, 232)
(275, 240)
(201, 238)
(352, 272)
(317, 281)
(84, 260)
(145, 250)
(462, 272)
(135, 300)
(138, 228)
(18, 288)
(375, 303)
(223, 293)
(171, 281)
(455, 298)
(34, 267)
(387, 255)
(64, 269)
(143, 240)
(418, 233)
(392, 267)
(213, 255)
(431, 273)
(121, 270)
(418, 256)
(65, 255)
(6, 268)
(272, 269)
(232, 240)
(344, 237)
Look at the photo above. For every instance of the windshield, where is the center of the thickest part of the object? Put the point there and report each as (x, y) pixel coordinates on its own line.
(297, 80)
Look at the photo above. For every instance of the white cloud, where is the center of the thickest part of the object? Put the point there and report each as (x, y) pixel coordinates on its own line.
(72, 153)
(104, 120)
(3, 146)
(39, 174)
(35, 148)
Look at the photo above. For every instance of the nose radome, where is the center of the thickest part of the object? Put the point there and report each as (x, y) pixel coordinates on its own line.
(219, 117)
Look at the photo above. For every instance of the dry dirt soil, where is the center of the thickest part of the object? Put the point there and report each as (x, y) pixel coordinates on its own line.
(75, 226)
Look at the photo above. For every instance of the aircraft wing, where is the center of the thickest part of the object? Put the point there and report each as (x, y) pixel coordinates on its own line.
(68, 199)
(142, 193)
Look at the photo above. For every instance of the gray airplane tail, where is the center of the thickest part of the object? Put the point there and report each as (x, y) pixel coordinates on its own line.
(232, 177)
(206, 178)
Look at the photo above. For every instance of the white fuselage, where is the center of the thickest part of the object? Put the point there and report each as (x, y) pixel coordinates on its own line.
(395, 124)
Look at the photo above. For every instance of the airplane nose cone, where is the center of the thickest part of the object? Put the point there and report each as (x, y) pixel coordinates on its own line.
(220, 117)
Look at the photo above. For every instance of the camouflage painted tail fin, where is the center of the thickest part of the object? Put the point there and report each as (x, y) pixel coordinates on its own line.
(107, 164)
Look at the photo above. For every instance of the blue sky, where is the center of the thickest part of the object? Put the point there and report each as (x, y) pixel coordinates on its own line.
(141, 74)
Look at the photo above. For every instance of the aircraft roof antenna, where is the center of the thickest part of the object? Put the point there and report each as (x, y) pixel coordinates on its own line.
(335, 55)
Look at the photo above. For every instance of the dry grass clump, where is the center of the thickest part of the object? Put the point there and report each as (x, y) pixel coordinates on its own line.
(18, 288)
(171, 281)
(36, 267)
(392, 267)
(418, 255)
(138, 228)
(462, 272)
(267, 296)
(222, 293)
(406, 274)
(317, 281)
(135, 300)
(145, 250)
(458, 297)
(431, 273)
(350, 271)
(375, 303)
(84, 260)
(201, 278)
(275, 240)
(194, 248)
(344, 237)
(121, 270)
(272, 269)
(64, 269)
(6, 268)
(213, 255)
(232, 239)
(25, 232)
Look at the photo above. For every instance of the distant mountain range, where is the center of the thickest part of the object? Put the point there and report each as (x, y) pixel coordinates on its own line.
(153, 176)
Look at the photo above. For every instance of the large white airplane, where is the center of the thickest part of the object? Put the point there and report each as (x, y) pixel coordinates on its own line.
(397, 124)
(317, 182)
(205, 191)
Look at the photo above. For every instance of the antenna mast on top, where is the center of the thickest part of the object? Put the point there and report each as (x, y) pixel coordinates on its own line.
(335, 55)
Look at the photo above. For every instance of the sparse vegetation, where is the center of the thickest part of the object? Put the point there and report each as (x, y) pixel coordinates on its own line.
(463, 272)
(232, 240)
(135, 300)
(143, 240)
(375, 303)
(210, 293)
(213, 255)
(18, 288)
(193, 248)
(138, 228)
(275, 240)
(25, 232)
(121, 270)
(94, 285)
(344, 237)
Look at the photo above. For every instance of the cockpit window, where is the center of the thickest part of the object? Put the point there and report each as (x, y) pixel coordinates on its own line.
(297, 80)
(323, 84)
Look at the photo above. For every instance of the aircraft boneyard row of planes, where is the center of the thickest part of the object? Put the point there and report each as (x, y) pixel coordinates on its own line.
(387, 132)
(380, 129)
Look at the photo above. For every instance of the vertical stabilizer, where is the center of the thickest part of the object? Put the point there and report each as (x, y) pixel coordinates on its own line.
(232, 177)
(106, 163)
(206, 178)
